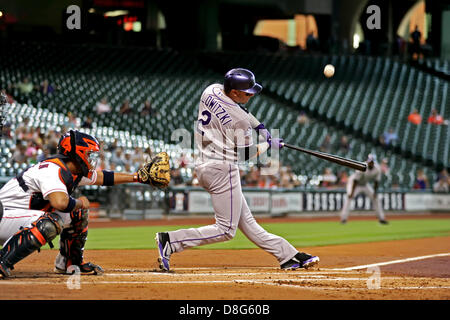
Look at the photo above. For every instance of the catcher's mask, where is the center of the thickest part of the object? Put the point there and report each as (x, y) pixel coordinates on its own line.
(81, 148)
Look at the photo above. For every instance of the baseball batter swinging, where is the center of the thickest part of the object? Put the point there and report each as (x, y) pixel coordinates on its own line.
(223, 135)
(359, 182)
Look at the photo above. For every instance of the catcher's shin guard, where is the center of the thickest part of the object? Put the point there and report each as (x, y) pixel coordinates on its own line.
(28, 240)
(71, 246)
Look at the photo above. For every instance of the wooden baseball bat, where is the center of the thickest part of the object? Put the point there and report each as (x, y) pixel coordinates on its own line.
(358, 165)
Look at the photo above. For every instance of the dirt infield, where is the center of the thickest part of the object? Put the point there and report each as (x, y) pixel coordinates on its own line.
(417, 269)
(245, 274)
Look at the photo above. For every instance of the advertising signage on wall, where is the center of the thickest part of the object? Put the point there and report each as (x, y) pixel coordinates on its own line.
(278, 202)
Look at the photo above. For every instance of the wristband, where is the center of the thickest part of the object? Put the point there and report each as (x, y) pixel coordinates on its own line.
(108, 177)
(260, 126)
(71, 205)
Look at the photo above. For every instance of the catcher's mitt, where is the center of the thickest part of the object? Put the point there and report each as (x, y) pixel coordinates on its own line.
(156, 172)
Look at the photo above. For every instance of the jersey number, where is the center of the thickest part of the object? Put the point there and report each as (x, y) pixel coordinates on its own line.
(203, 122)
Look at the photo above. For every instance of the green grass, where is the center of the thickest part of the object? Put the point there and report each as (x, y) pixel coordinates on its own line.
(301, 234)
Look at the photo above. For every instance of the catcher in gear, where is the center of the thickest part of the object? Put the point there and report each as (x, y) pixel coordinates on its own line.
(38, 204)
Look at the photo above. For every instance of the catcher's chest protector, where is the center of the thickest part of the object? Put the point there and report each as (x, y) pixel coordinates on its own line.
(37, 201)
(71, 181)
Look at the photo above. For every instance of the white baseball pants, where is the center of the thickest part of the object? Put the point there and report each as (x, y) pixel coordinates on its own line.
(223, 183)
(369, 192)
(14, 219)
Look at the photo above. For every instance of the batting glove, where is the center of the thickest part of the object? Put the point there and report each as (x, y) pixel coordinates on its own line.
(276, 143)
(261, 130)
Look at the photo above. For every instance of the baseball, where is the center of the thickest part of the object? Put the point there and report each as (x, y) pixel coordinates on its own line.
(328, 71)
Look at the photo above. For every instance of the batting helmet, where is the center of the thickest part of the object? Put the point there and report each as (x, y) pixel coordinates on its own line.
(242, 80)
(81, 148)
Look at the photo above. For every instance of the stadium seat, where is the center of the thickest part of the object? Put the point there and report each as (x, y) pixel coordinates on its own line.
(367, 95)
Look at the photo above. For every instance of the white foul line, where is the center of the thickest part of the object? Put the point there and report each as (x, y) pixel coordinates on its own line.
(394, 262)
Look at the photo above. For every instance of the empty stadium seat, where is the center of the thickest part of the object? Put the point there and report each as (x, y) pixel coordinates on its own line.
(366, 96)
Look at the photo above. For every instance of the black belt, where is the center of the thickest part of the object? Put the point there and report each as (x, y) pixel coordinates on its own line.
(1, 211)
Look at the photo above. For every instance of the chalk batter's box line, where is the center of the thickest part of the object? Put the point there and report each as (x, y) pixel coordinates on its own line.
(243, 281)
(268, 283)
(243, 269)
(347, 269)
(293, 278)
(303, 272)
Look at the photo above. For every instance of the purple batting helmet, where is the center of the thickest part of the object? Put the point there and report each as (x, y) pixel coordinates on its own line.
(242, 80)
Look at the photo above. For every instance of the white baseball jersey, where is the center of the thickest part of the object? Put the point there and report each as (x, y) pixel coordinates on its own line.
(42, 178)
(222, 127)
(370, 175)
(24, 204)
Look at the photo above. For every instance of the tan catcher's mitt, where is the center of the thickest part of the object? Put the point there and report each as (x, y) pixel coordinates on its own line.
(156, 172)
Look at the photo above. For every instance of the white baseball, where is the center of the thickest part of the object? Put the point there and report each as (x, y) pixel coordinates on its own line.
(328, 71)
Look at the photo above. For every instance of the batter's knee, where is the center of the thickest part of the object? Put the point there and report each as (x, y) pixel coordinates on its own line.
(230, 234)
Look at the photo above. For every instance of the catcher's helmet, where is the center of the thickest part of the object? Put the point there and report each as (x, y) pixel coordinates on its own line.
(242, 80)
(81, 148)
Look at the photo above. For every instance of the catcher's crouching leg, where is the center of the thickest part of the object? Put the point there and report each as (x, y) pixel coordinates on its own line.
(28, 240)
(71, 246)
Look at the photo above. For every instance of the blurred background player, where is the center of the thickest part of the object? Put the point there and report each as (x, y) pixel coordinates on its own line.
(360, 182)
(224, 133)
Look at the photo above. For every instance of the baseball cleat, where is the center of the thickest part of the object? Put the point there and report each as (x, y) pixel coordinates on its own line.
(59, 271)
(383, 222)
(163, 244)
(85, 268)
(311, 262)
(90, 268)
(300, 260)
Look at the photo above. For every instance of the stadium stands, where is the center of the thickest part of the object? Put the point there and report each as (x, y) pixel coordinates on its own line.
(366, 96)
